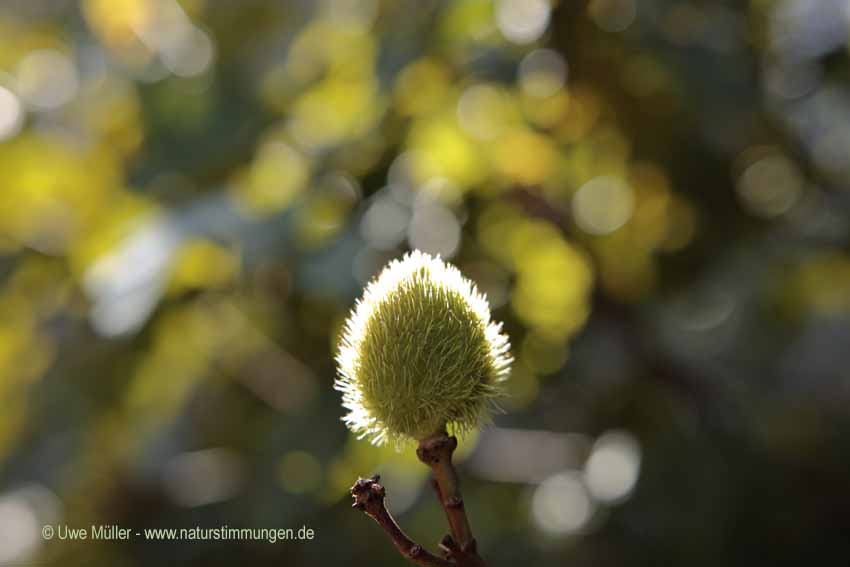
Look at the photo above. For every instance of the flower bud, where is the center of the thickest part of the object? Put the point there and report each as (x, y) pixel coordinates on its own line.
(419, 353)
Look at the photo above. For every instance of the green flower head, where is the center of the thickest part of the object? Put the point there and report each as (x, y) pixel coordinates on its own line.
(419, 353)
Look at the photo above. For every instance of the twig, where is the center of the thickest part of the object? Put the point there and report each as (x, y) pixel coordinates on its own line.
(369, 497)
(436, 452)
(459, 548)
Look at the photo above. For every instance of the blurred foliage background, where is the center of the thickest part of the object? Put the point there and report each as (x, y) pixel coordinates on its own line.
(653, 194)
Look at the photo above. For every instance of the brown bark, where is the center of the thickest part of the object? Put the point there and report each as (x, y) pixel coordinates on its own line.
(459, 548)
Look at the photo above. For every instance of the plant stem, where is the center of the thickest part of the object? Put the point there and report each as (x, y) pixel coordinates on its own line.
(436, 451)
(460, 549)
(369, 497)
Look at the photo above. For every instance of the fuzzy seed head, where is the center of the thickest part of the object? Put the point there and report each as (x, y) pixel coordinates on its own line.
(419, 353)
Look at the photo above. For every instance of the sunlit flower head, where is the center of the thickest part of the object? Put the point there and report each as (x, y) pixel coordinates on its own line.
(419, 353)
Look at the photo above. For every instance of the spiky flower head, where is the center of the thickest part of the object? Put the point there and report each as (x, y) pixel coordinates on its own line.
(419, 353)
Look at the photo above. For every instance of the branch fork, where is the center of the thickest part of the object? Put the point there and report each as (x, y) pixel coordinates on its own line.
(458, 548)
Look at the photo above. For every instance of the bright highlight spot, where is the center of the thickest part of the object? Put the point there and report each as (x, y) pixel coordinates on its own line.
(542, 73)
(384, 224)
(184, 49)
(203, 477)
(770, 186)
(190, 54)
(126, 284)
(434, 230)
(561, 504)
(46, 79)
(612, 470)
(522, 21)
(603, 204)
(481, 112)
(20, 529)
(23, 512)
(11, 114)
